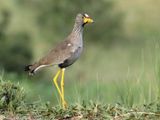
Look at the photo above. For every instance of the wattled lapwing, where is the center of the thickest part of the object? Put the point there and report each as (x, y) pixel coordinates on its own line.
(64, 54)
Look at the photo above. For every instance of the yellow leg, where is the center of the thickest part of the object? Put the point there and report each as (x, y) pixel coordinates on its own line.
(56, 84)
(64, 104)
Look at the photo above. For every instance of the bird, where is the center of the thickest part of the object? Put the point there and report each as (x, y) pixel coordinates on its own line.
(64, 54)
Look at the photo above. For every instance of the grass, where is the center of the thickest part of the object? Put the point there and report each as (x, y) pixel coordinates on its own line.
(127, 92)
(13, 105)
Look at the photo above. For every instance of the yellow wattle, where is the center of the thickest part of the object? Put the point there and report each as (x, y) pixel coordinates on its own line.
(87, 20)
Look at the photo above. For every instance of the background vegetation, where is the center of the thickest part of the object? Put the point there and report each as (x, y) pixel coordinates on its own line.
(120, 63)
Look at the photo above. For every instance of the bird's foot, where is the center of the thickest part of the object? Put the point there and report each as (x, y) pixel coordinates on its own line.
(64, 104)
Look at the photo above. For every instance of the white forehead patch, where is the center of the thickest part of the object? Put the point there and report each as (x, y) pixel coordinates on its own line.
(86, 15)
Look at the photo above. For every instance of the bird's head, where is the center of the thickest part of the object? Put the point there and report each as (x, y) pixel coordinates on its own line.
(83, 19)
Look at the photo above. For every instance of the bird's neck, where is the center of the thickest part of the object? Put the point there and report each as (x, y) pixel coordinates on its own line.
(77, 34)
(77, 29)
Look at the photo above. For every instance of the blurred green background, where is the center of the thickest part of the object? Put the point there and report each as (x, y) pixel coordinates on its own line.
(120, 62)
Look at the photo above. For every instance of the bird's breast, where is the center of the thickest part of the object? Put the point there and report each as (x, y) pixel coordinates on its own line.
(73, 57)
(75, 46)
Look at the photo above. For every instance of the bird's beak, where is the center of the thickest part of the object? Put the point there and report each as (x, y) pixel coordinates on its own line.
(87, 20)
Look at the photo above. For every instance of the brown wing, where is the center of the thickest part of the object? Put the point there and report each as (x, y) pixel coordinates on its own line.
(57, 55)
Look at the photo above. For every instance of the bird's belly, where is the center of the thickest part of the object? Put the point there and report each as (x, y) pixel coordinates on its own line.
(71, 59)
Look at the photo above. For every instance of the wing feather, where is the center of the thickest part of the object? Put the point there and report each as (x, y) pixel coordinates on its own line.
(57, 55)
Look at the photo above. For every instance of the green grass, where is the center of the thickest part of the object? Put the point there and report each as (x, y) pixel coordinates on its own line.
(127, 92)
(13, 105)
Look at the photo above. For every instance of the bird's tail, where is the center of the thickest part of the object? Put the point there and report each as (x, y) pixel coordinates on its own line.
(31, 68)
